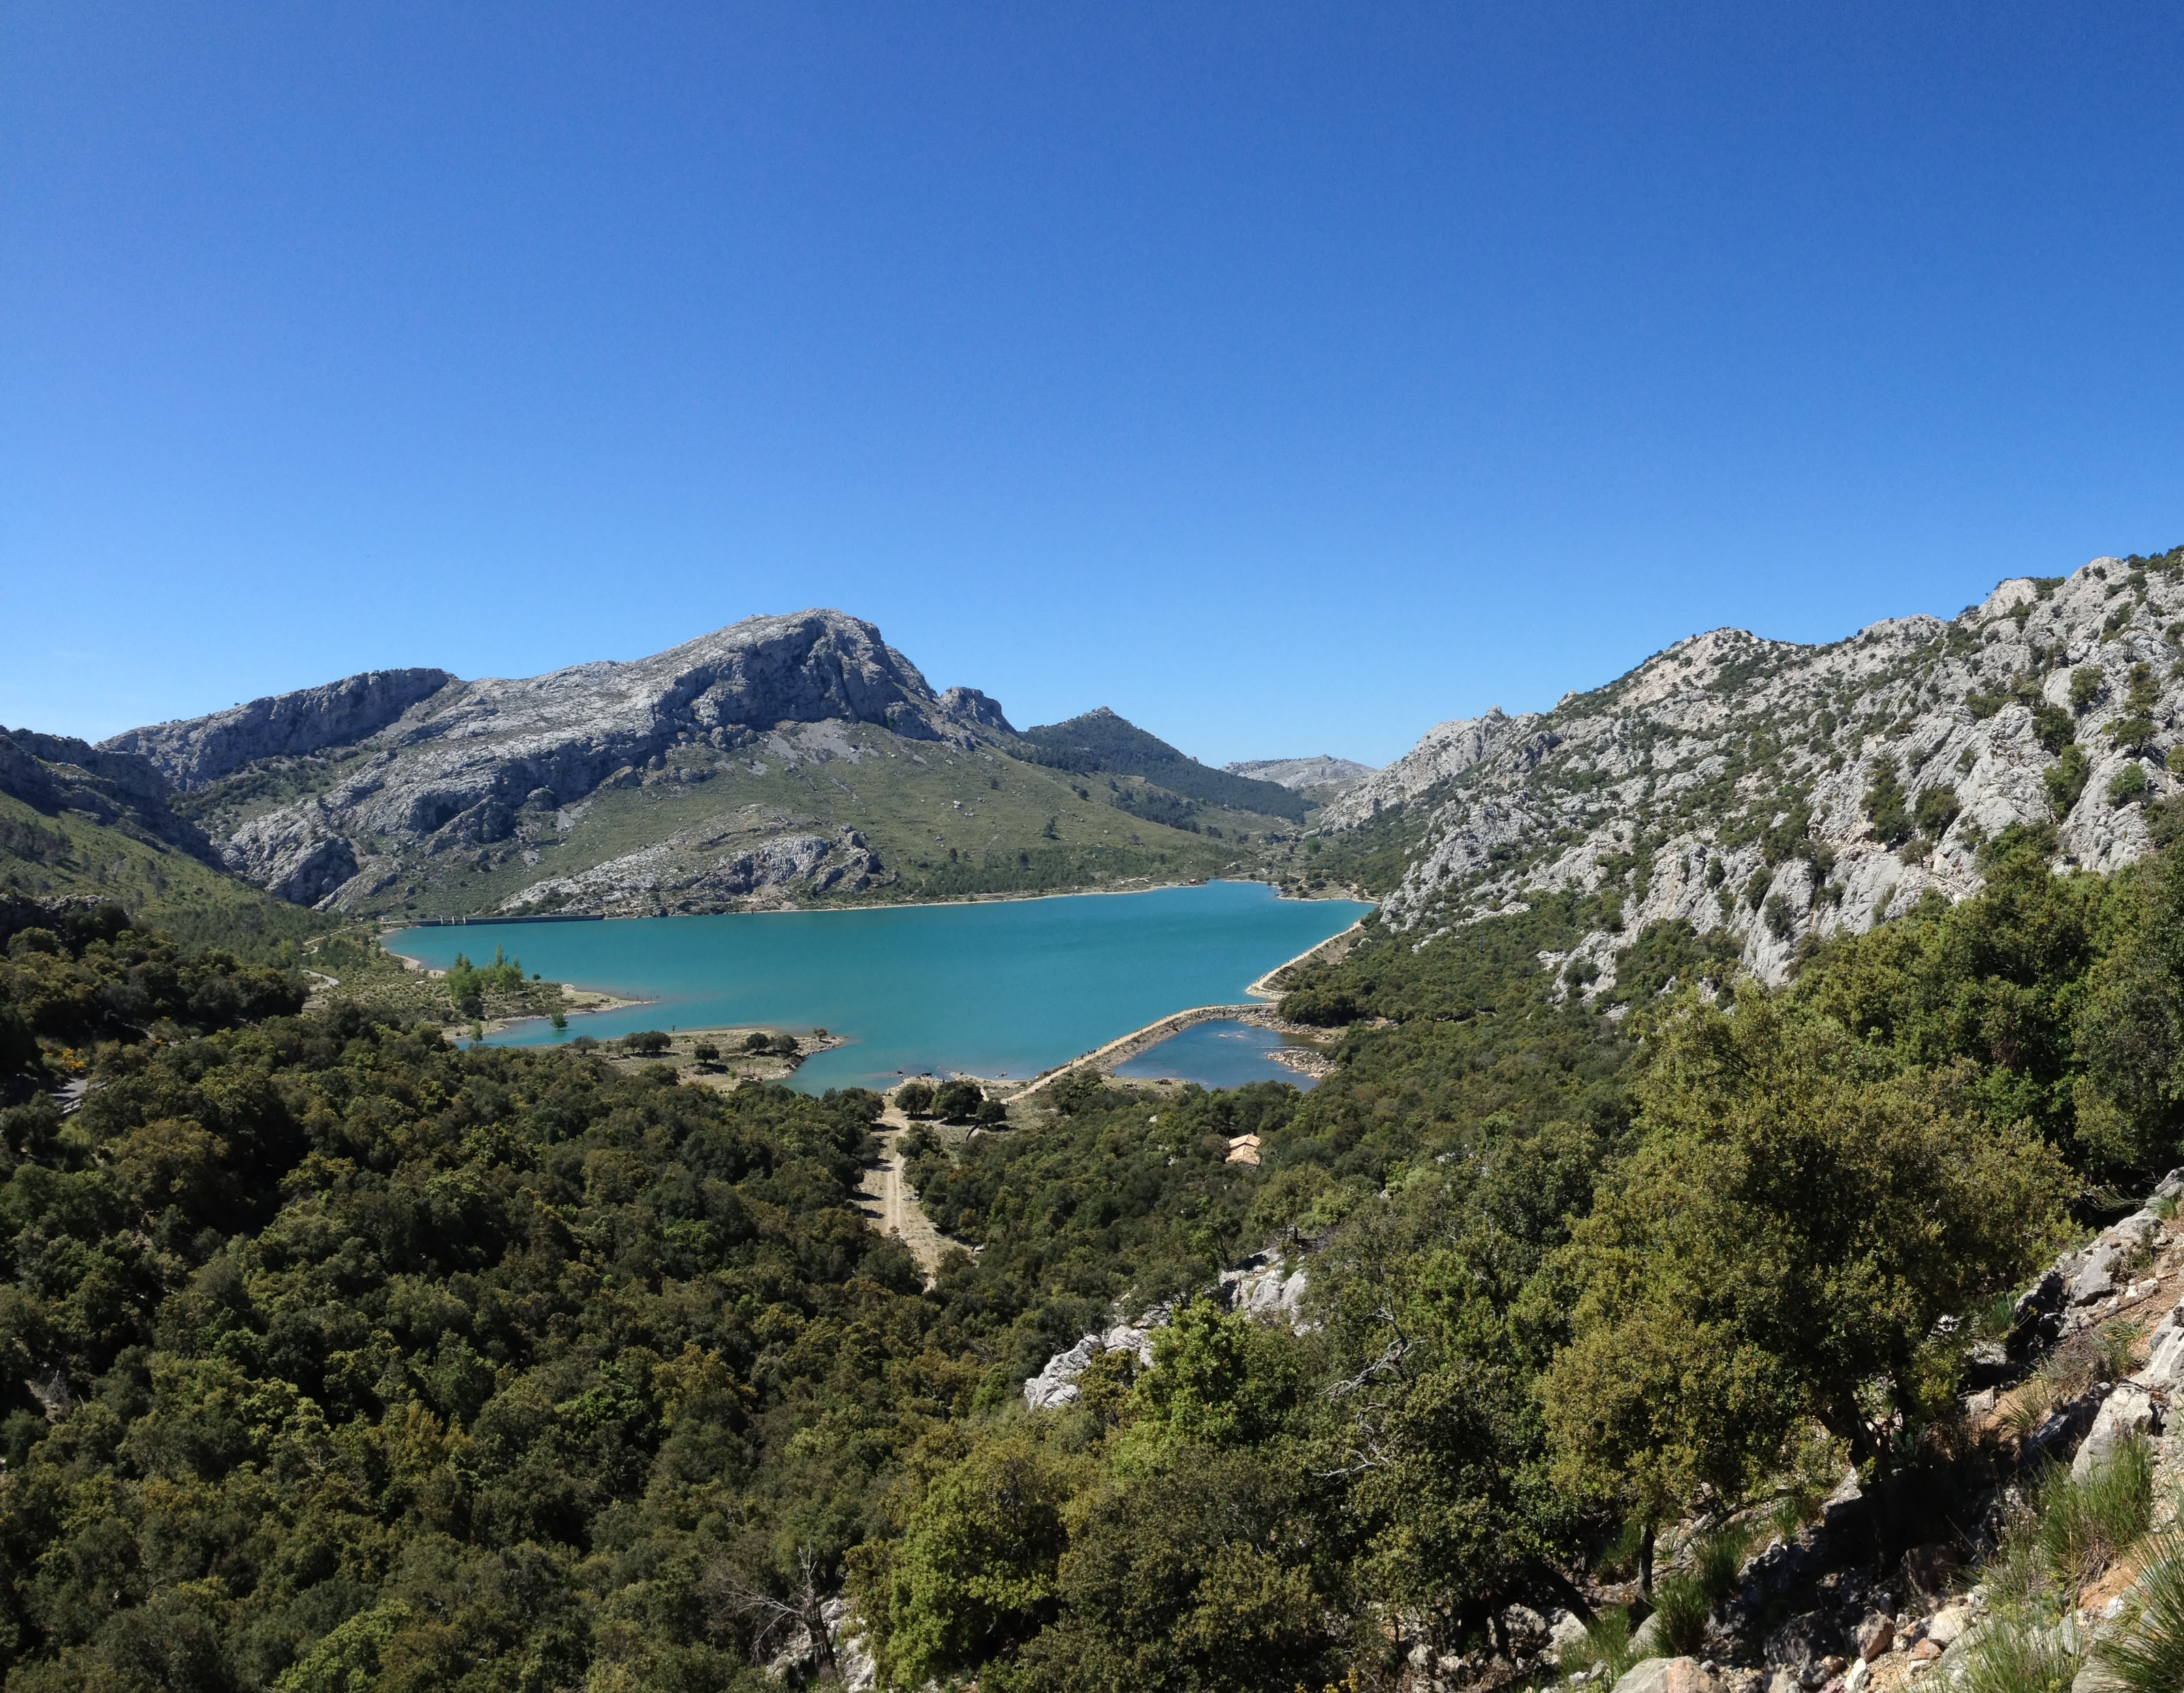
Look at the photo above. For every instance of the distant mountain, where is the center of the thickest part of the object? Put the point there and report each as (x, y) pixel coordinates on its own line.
(1322, 778)
(1778, 793)
(1100, 743)
(783, 757)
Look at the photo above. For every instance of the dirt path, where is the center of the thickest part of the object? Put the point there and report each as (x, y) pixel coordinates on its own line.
(884, 1196)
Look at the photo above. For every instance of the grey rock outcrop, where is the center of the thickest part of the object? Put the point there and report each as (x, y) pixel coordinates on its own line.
(194, 751)
(1325, 774)
(1055, 1385)
(1724, 783)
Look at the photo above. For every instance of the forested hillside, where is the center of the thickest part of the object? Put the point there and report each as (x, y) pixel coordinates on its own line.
(342, 1358)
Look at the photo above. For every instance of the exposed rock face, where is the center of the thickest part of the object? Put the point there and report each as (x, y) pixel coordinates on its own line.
(52, 773)
(777, 864)
(291, 855)
(429, 763)
(194, 751)
(1736, 771)
(1325, 775)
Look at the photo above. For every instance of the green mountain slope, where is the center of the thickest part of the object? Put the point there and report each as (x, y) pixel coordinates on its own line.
(60, 855)
(709, 830)
(1100, 743)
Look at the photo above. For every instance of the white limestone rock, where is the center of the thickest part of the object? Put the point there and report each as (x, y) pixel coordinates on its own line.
(1496, 805)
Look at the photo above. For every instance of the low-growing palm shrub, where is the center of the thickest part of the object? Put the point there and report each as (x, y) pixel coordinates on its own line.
(2028, 1409)
(2113, 1344)
(1718, 1558)
(2014, 1654)
(2084, 1524)
(1682, 1607)
(1606, 1645)
(2146, 1655)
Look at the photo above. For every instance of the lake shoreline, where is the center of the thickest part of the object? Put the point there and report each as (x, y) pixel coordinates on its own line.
(999, 994)
(389, 926)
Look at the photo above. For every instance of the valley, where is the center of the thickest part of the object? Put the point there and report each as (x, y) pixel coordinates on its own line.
(1744, 1143)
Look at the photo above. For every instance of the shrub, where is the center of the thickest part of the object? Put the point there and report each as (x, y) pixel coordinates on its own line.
(958, 1101)
(782, 1045)
(2085, 1524)
(2053, 726)
(1883, 805)
(1606, 1645)
(1718, 1558)
(2085, 684)
(1937, 810)
(1684, 1610)
(648, 1042)
(2066, 779)
(2146, 1655)
(2127, 785)
(2113, 1343)
(2013, 1655)
(1781, 919)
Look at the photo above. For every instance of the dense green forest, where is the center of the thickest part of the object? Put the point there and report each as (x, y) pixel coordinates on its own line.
(342, 1358)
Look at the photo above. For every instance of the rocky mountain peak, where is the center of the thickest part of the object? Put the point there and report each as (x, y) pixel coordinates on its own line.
(1776, 794)
(396, 760)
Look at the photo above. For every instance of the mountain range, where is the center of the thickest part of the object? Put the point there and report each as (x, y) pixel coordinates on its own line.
(1771, 794)
(783, 757)
(1763, 794)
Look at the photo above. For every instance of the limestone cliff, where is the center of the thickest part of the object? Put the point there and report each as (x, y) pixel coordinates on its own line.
(1778, 792)
(330, 796)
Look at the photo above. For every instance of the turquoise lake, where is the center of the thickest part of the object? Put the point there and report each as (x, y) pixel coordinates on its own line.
(1218, 1054)
(1010, 987)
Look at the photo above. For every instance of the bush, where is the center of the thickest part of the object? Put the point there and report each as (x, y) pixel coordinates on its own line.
(2146, 1655)
(1719, 1559)
(1937, 810)
(1606, 1645)
(2127, 785)
(2066, 779)
(2085, 684)
(1885, 805)
(782, 1045)
(2014, 1655)
(2054, 728)
(958, 1101)
(2085, 1524)
(648, 1043)
(1684, 1610)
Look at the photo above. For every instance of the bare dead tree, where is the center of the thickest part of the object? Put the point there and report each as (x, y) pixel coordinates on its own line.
(1367, 1448)
(774, 1619)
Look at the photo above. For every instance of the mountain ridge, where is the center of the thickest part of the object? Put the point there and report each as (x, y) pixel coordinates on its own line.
(604, 785)
(1782, 793)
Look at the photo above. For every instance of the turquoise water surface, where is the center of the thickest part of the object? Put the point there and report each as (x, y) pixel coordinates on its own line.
(1219, 1054)
(1012, 987)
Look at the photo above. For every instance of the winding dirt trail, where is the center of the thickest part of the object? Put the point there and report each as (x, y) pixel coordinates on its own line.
(885, 1197)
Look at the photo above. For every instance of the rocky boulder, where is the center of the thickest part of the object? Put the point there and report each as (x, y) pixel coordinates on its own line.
(1668, 1675)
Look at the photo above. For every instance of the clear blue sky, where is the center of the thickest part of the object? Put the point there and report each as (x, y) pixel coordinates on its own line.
(1289, 378)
